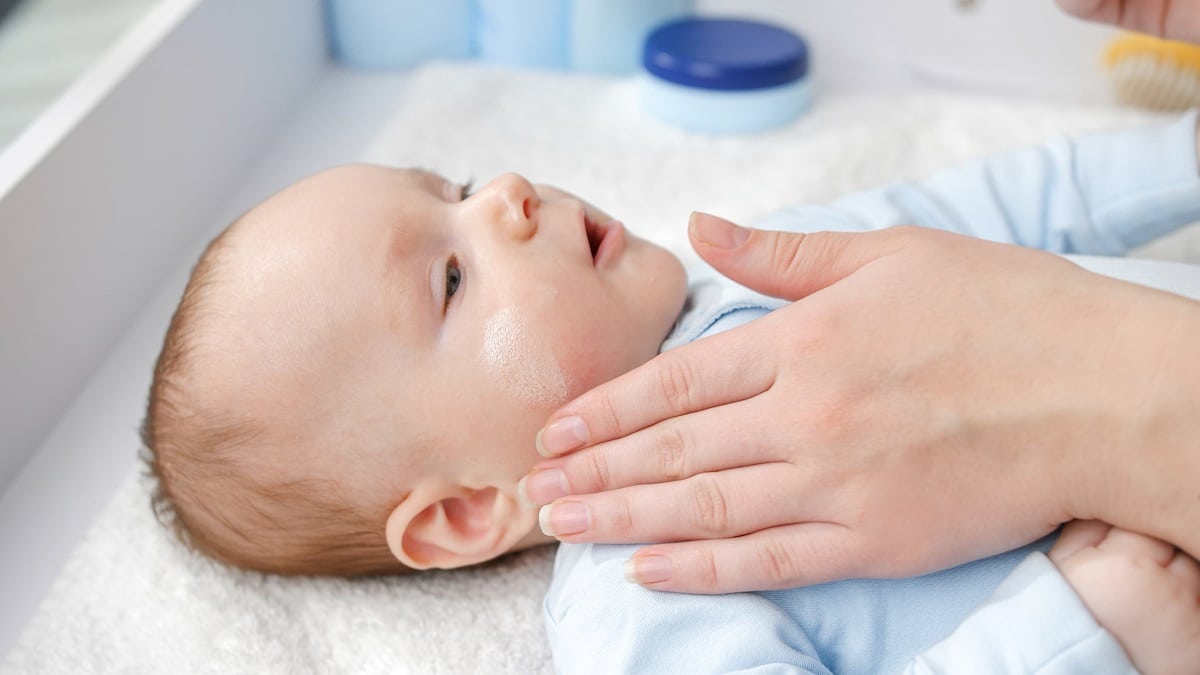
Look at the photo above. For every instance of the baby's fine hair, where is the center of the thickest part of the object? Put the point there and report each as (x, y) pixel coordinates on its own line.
(204, 490)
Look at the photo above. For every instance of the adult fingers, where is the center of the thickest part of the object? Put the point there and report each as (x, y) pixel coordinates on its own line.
(1171, 20)
(788, 264)
(780, 557)
(708, 505)
(724, 368)
(1106, 11)
(715, 439)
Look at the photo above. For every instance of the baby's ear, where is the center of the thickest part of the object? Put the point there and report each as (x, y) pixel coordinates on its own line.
(445, 526)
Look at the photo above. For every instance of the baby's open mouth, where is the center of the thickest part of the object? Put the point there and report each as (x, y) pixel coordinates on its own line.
(605, 240)
(595, 235)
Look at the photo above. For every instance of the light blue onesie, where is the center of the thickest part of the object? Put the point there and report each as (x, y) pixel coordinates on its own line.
(1012, 613)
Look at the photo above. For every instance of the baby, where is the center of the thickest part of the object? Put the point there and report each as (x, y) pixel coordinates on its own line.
(358, 366)
(354, 376)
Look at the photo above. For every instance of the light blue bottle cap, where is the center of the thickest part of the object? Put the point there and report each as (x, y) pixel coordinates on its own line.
(724, 75)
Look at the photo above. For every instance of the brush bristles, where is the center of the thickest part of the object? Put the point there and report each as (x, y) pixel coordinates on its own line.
(1149, 82)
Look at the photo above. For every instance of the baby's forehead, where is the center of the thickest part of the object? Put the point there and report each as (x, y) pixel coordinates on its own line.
(351, 177)
(331, 192)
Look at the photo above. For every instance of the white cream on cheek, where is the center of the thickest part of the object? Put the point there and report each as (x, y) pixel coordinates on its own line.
(522, 363)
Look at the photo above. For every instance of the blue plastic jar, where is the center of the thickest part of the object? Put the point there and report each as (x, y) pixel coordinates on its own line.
(724, 75)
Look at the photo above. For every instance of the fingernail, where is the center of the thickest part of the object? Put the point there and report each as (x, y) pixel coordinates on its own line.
(557, 520)
(716, 231)
(542, 487)
(561, 436)
(522, 496)
(650, 569)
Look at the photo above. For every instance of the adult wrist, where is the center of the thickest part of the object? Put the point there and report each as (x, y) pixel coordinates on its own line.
(1146, 477)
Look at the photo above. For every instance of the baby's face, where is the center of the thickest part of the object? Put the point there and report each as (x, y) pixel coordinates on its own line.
(406, 329)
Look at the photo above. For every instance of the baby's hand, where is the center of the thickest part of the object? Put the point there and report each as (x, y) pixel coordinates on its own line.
(1143, 590)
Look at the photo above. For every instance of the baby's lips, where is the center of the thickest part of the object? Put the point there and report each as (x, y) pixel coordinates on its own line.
(611, 243)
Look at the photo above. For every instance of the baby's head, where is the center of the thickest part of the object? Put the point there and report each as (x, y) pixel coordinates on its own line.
(353, 379)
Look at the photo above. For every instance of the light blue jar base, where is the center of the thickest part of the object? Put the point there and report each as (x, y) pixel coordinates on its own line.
(723, 111)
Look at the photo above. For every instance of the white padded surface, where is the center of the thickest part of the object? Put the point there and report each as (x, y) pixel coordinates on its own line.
(132, 600)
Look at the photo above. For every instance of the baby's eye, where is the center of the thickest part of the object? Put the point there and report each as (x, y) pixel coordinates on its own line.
(466, 191)
(453, 278)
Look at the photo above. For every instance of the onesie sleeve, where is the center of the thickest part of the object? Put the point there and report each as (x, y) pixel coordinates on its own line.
(1101, 193)
(1032, 623)
(599, 623)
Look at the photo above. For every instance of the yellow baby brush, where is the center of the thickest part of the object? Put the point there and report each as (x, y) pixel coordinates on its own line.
(1154, 73)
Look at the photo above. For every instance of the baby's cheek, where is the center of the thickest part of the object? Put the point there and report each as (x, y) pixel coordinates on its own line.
(587, 364)
(522, 362)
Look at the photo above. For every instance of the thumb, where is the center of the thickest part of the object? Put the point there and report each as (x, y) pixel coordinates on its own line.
(786, 265)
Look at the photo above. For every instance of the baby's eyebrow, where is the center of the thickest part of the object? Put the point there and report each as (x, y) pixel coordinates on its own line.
(432, 178)
(449, 190)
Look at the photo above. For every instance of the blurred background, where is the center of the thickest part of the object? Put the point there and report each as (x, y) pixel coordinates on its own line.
(999, 47)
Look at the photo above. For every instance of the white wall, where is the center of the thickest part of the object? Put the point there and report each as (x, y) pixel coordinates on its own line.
(1004, 47)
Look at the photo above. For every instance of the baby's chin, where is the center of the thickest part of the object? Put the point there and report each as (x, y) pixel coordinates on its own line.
(672, 282)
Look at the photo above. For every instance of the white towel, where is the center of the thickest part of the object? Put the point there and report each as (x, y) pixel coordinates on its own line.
(132, 600)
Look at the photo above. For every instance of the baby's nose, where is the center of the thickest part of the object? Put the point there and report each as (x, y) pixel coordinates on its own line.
(517, 204)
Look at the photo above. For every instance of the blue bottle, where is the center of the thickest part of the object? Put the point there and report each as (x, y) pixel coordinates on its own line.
(606, 36)
(398, 33)
(527, 33)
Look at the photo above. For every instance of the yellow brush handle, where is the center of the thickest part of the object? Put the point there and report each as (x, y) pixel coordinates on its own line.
(1183, 54)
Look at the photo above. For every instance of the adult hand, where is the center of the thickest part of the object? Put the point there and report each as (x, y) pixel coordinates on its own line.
(1177, 20)
(929, 399)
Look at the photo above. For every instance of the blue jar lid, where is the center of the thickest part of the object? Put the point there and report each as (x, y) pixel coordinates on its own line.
(725, 54)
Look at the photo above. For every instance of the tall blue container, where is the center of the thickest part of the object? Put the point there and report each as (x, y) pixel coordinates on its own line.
(606, 36)
(399, 33)
(529, 33)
